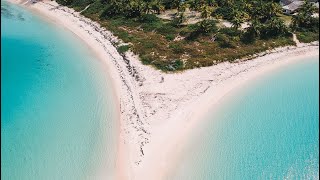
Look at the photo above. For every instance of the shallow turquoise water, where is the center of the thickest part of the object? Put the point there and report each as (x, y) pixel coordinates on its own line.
(58, 118)
(269, 129)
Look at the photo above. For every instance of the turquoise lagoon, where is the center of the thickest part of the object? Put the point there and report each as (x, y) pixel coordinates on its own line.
(268, 129)
(58, 118)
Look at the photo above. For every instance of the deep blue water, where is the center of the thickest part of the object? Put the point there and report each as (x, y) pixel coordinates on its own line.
(268, 129)
(58, 117)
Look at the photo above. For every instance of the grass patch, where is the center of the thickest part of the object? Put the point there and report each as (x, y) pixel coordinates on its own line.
(286, 18)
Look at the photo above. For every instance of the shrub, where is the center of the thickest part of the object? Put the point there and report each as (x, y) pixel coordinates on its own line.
(170, 37)
(96, 7)
(207, 26)
(125, 36)
(307, 37)
(224, 41)
(80, 4)
(193, 36)
(230, 31)
(177, 65)
(310, 24)
(224, 12)
(252, 33)
(123, 49)
(110, 11)
(169, 66)
(148, 18)
(178, 20)
(146, 59)
(274, 27)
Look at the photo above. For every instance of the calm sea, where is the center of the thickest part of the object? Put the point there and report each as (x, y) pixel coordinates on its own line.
(58, 117)
(268, 129)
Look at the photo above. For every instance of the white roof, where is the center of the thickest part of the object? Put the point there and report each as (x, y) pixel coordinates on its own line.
(293, 6)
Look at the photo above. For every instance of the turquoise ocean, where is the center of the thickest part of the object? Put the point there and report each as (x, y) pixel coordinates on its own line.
(58, 114)
(267, 129)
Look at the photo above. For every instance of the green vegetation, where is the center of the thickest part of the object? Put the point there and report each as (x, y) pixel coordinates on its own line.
(307, 36)
(172, 45)
(123, 49)
(306, 26)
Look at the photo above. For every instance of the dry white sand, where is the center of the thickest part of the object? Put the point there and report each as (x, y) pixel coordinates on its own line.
(158, 110)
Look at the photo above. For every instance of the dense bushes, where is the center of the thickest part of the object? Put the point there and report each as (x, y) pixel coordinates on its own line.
(274, 27)
(200, 44)
(207, 26)
(305, 23)
(148, 18)
(307, 36)
(95, 8)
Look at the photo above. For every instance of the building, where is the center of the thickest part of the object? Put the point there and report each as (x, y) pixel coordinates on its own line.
(286, 2)
(292, 6)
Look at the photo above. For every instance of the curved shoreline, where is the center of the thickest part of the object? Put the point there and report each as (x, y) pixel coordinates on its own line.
(205, 103)
(112, 73)
(157, 110)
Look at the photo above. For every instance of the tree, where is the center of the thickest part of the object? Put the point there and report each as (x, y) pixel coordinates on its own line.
(195, 5)
(237, 19)
(171, 4)
(255, 28)
(157, 6)
(274, 27)
(252, 33)
(207, 26)
(182, 7)
(304, 19)
(270, 10)
(263, 11)
(206, 11)
(180, 17)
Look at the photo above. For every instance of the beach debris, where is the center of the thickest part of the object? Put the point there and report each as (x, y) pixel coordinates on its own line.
(162, 79)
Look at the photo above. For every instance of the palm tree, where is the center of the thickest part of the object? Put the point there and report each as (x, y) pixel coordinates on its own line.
(275, 27)
(195, 5)
(206, 11)
(255, 28)
(271, 9)
(180, 16)
(182, 7)
(157, 6)
(237, 19)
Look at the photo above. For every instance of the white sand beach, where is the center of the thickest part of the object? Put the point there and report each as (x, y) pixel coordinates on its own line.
(158, 110)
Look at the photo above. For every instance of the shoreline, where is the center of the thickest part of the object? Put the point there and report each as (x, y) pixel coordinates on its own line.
(111, 71)
(205, 103)
(155, 107)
